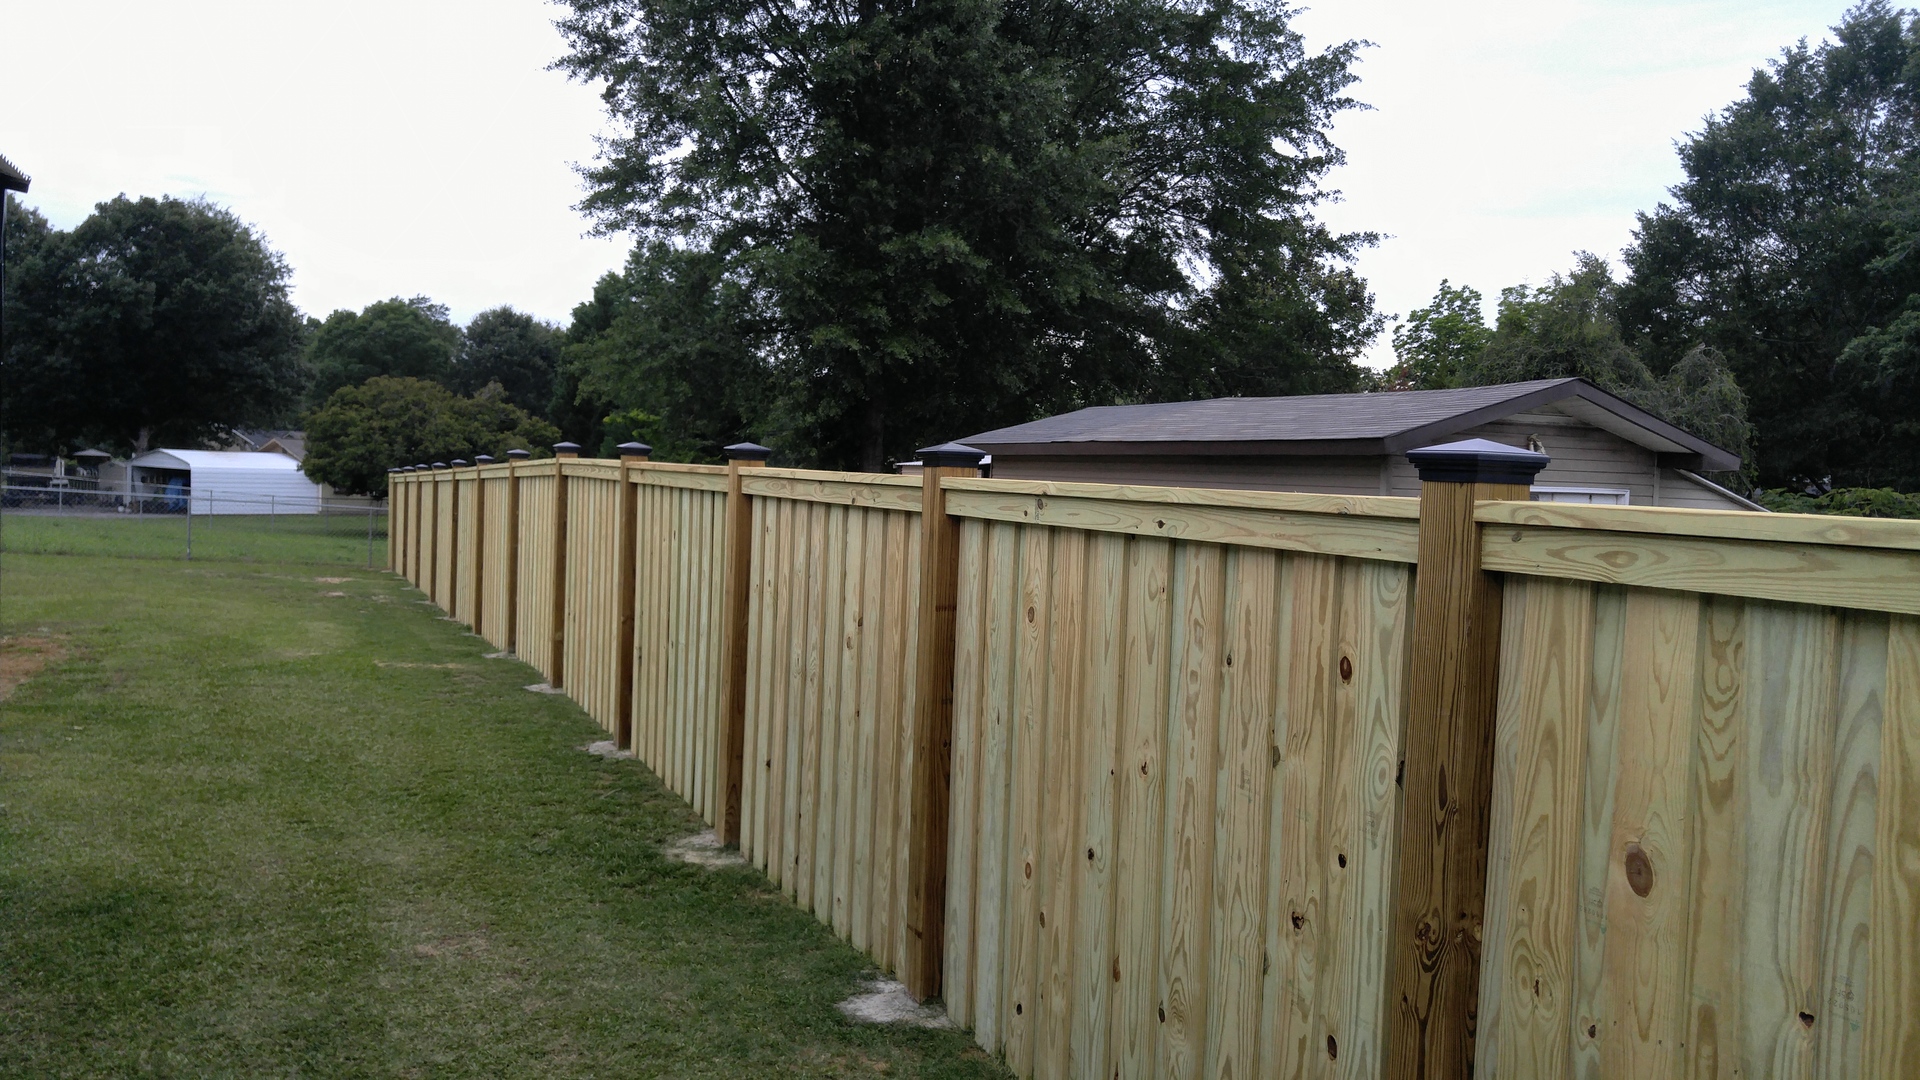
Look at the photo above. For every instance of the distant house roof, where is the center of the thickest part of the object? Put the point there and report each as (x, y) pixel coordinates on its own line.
(283, 441)
(215, 459)
(1391, 422)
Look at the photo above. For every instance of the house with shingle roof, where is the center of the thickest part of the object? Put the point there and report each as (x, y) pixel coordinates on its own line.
(1603, 449)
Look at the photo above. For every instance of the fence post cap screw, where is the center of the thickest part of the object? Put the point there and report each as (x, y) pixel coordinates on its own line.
(1477, 461)
(748, 451)
(519, 455)
(951, 455)
(483, 459)
(635, 449)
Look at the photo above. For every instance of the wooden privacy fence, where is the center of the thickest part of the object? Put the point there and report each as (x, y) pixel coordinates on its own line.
(1152, 782)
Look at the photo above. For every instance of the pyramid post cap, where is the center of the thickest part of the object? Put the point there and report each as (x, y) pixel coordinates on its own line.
(748, 451)
(1477, 461)
(951, 455)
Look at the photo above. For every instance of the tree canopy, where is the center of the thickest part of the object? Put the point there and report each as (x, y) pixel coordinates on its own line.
(516, 350)
(1566, 328)
(154, 321)
(909, 221)
(1792, 248)
(391, 421)
(411, 338)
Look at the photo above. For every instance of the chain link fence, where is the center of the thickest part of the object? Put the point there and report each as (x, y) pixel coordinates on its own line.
(174, 522)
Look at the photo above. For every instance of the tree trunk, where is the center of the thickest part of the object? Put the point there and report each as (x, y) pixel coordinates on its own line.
(141, 439)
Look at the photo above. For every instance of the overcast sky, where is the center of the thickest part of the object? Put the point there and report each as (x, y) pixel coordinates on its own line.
(406, 147)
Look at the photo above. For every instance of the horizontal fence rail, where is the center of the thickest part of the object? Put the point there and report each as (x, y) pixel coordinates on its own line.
(1160, 782)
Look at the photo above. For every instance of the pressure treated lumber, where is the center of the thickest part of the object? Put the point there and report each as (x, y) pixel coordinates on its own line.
(1434, 938)
(932, 729)
(624, 551)
(557, 642)
(736, 593)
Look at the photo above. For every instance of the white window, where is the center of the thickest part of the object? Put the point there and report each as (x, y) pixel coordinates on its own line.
(1599, 496)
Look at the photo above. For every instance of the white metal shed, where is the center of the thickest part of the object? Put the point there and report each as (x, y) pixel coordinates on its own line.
(232, 481)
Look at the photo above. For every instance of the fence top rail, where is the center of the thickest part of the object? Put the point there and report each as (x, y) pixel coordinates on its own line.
(592, 469)
(1359, 527)
(1717, 524)
(1380, 506)
(879, 490)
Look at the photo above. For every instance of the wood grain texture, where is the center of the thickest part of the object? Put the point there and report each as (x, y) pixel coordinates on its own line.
(1437, 925)
(1817, 529)
(851, 489)
(737, 568)
(1353, 535)
(932, 737)
(1287, 501)
(1892, 1030)
(1852, 577)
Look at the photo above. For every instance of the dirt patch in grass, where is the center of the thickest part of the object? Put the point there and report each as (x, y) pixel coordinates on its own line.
(23, 656)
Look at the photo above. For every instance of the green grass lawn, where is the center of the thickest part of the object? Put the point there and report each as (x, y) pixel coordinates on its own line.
(257, 824)
(339, 539)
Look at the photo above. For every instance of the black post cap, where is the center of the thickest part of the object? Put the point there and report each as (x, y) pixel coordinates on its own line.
(459, 463)
(519, 455)
(635, 449)
(748, 451)
(393, 470)
(1477, 461)
(566, 448)
(951, 455)
(483, 459)
(439, 464)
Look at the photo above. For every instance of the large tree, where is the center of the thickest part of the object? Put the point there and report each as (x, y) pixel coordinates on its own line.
(154, 321)
(511, 348)
(408, 338)
(1790, 248)
(927, 218)
(389, 421)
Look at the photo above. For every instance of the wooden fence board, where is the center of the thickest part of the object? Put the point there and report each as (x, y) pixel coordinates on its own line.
(1179, 718)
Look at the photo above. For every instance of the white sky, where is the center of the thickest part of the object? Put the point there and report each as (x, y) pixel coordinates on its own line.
(408, 147)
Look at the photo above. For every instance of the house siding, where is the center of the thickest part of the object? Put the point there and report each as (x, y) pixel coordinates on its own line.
(1322, 475)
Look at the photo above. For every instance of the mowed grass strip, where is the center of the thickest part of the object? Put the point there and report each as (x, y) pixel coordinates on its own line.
(340, 538)
(256, 823)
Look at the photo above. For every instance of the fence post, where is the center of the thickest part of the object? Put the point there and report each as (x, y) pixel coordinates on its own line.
(625, 526)
(453, 540)
(433, 526)
(417, 544)
(932, 733)
(738, 569)
(478, 576)
(512, 588)
(1434, 939)
(563, 452)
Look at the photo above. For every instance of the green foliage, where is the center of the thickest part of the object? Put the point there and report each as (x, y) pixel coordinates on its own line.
(154, 321)
(1568, 328)
(388, 422)
(896, 223)
(408, 338)
(516, 350)
(667, 340)
(1438, 343)
(1789, 249)
(1848, 502)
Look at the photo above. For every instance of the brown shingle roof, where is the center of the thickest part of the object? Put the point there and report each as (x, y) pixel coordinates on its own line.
(1380, 423)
